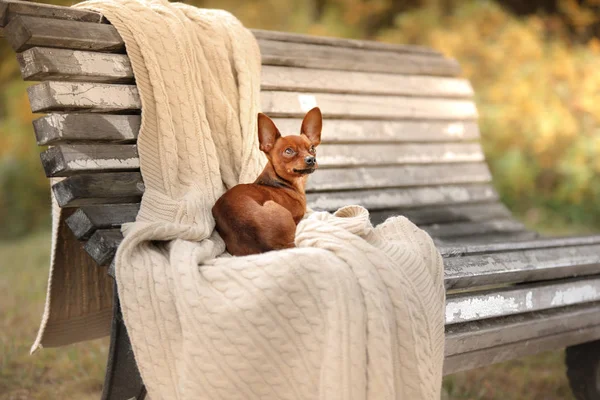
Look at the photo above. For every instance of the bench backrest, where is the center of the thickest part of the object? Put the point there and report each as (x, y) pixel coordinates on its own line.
(400, 133)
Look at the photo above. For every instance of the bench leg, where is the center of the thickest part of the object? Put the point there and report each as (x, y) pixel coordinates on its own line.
(122, 380)
(583, 370)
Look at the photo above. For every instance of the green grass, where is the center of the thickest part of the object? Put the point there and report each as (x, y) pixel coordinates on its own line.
(539, 377)
(77, 372)
(73, 372)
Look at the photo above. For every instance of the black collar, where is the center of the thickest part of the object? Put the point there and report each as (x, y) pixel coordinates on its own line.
(276, 183)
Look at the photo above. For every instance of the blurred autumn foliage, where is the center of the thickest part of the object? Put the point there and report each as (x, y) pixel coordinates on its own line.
(534, 66)
(537, 86)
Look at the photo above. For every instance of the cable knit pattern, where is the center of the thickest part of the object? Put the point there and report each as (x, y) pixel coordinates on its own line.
(354, 312)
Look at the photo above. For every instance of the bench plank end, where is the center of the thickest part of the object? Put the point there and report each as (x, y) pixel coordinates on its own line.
(103, 244)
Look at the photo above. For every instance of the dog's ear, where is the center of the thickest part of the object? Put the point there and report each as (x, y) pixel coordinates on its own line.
(312, 125)
(267, 133)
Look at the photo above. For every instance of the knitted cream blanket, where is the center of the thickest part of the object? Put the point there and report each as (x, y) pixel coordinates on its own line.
(354, 312)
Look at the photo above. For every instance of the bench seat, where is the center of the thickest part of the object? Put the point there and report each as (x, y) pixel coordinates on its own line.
(400, 137)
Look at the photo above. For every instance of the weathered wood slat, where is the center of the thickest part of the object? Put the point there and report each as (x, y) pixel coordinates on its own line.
(443, 214)
(56, 128)
(478, 335)
(11, 8)
(108, 188)
(375, 199)
(43, 64)
(127, 187)
(88, 219)
(551, 242)
(497, 237)
(94, 97)
(25, 32)
(291, 104)
(505, 352)
(30, 31)
(318, 56)
(495, 268)
(111, 271)
(103, 244)
(397, 176)
(468, 307)
(67, 159)
(99, 97)
(366, 131)
(342, 43)
(14, 7)
(341, 155)
(501, 302)
(521, 265)
(473, 228)
(350, 82)
(526, 298)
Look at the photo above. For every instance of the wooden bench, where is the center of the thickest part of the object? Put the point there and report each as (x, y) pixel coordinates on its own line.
(400, 137)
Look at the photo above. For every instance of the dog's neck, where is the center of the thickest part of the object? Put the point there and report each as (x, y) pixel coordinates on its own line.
(269, 177)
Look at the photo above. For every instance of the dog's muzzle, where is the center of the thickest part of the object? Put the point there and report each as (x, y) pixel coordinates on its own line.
(305, 171)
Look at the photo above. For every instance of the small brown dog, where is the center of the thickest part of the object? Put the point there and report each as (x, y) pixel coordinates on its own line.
(262, 216)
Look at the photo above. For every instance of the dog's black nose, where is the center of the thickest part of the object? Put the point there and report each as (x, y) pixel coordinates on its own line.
(310, 160)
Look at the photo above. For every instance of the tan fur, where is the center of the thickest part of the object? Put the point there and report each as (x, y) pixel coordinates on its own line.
(262, 216)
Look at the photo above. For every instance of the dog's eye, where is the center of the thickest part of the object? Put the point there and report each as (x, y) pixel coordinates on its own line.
(312, 150)
(289, 151)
